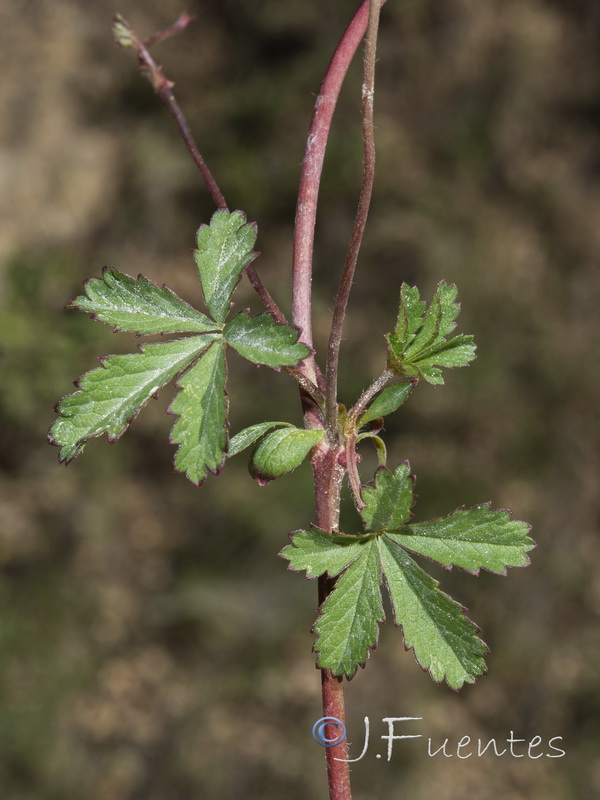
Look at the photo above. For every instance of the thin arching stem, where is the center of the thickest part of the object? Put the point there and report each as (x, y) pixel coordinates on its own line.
(360, 221)
(312, 167)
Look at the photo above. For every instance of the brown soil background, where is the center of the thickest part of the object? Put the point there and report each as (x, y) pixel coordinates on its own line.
(152, 645)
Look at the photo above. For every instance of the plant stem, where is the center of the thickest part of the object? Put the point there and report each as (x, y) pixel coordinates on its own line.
(127, 37)
(352, 469)
(358, 409)
(328, 474)
(362, 212)
(327, 458)
(312, 167)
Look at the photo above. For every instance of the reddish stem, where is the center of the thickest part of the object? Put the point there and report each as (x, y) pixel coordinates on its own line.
(328, 474)
(312, 167)
(360, 221)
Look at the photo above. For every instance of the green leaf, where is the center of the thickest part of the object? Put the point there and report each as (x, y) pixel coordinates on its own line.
(319, 552)
(388, 401)
(418, 345)
(410, 313)
(444, 640)
(458, 352)
(263, 341)
(110, 397)
(139, 305)
(471, 538)
(389, 500)
(224, 251)
(250, 435)
(348, 625)
(282, 451)
(201, 430)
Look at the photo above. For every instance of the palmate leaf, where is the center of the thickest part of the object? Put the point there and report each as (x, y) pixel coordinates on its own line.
(110, 397)
(418, 345)
(130, 304)
(445, 642)
(201, 430)
(224, 251)
(261, 340)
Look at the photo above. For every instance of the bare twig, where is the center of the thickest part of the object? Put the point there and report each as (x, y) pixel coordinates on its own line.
(163, 87)
(360, 221)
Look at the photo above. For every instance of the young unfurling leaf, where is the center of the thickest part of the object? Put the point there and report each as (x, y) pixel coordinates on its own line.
(418, 345)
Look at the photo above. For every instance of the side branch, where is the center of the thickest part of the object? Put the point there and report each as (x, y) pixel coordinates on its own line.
(312, 167)
(360, 221)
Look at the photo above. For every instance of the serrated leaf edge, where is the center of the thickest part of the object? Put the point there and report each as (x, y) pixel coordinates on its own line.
(72, 305)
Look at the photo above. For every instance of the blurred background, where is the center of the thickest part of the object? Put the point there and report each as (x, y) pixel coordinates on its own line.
(153, 647)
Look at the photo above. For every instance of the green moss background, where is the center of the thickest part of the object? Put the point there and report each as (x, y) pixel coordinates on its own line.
(153, 647)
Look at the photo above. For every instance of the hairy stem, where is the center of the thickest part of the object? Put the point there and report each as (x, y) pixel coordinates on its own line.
(362, 212)
(359, 408)
(312, 167)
